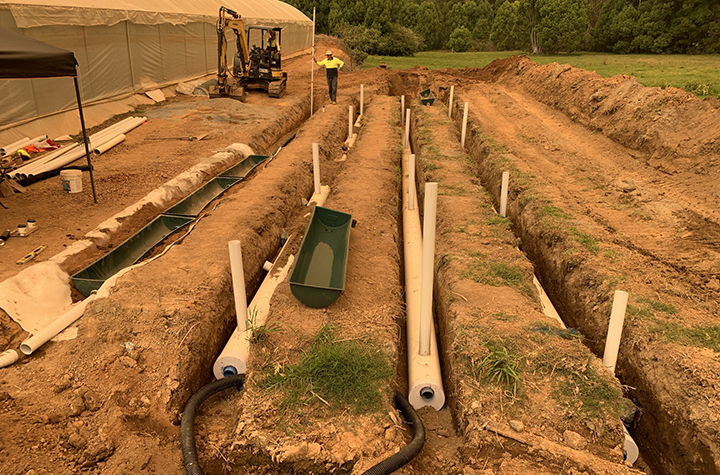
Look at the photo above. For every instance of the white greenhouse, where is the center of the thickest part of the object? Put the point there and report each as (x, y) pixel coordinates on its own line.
(123, 47)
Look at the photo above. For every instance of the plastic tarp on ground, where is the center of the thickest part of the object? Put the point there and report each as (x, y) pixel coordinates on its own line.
(124, 47)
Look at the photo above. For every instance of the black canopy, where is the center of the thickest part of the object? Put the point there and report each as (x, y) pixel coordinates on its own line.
(24, 57)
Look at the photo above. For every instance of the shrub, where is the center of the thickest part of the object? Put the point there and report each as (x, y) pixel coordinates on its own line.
(398, 41)
(360, 39)
(459, 39)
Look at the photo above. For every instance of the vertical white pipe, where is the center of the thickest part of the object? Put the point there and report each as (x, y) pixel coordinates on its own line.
(312, 67)
(407, 128)
(402, 111)
(504, 193)
(617, 320)
(464, 126)
(362, 99)
(238, 282)
(411, 182)
(428, 267)
(450, 102)
(316, 166)
(351, 119)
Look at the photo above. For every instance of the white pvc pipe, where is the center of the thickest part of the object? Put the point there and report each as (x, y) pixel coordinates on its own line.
(8, 357)
(320, 198)
(79, 152)
(49, 332)
(234, 357)
(12, 147)
(110, 144)
(631, 450)
(402, 111)
(351, 120)
(29, 169)
(238, 283)
(428, 266)
(464, 125)
(504, 193)
(407, 128)
(424, 377)
(312, 68)
(411, 182)
(450, 102)
(316, 166)
(362, 99)
(617, 320)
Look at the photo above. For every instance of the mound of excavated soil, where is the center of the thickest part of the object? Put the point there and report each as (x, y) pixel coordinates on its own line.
(679, 131)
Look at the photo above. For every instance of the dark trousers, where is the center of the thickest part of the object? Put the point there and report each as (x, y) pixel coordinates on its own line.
(332, 87)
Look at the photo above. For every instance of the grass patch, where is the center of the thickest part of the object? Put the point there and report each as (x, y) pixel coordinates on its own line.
(701, 336)
(588, 392)
(585, 240)
(506, 317)
(497, 220)
(657, 306)
(551, 211)
(497, 274)
(339, 374)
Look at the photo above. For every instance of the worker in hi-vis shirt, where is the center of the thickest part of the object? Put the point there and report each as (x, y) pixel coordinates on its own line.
(332, 65)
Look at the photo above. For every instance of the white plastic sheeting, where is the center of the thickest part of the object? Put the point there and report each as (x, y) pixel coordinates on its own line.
(124, 47)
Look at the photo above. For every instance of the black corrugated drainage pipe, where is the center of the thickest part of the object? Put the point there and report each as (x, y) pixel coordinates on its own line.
(187, 424)
(407, 453)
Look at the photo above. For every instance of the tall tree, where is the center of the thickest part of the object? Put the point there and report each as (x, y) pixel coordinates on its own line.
(562, 24)
(510, 30)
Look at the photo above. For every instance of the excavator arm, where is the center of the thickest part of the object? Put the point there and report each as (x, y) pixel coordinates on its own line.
(228, 18)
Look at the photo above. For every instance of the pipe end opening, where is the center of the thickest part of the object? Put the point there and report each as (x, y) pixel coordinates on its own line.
(26, 349)
(427, 393)
(228, 371)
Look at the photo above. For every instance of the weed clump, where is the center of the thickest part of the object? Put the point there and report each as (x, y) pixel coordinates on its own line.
(339, 374)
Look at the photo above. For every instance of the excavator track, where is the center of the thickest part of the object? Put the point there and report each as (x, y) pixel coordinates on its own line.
(277, 88)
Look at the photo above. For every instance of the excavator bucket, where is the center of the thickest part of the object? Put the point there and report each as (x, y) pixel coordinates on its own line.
(233, 92)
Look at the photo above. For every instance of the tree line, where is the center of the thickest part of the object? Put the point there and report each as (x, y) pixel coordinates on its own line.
(403, 27)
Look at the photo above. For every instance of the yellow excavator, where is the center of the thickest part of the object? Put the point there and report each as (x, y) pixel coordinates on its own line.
(259, 67)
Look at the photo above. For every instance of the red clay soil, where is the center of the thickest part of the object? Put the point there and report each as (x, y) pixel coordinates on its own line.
(631, 169)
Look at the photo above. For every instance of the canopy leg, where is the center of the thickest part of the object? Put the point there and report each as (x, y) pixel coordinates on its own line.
(85, 139)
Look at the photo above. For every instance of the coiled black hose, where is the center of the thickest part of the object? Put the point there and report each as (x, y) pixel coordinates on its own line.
(187, 424)
(407, 453)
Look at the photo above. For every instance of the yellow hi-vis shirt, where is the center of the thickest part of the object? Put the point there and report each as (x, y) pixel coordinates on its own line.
(331, 65)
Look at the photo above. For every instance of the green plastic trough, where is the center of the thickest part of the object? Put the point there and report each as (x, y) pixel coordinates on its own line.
(318, 276)
(426, 97)
(243, 169)
(193, 204)
(127, 253)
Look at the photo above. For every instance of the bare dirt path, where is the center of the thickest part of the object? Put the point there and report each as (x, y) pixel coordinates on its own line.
(605, 180)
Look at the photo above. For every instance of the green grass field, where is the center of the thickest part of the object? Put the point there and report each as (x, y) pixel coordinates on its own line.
(699, 74)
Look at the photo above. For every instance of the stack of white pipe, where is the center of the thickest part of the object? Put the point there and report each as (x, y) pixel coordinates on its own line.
(24, 142)
(55, 160)
(424, 377)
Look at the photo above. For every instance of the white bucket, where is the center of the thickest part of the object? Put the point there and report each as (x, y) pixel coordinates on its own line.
(71, 180)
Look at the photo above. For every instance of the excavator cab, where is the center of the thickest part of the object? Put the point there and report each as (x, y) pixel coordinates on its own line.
(259, 67)
(265, 61)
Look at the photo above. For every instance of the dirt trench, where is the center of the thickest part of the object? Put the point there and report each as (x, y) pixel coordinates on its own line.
(488, 310)
(583, 249)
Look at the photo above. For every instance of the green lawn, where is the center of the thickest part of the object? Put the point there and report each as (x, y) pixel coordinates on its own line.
(699, 74)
